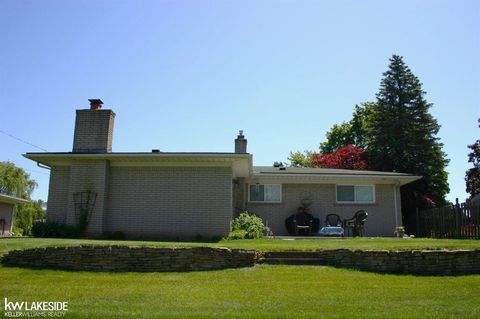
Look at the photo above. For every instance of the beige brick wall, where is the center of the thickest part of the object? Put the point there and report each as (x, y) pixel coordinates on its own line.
(181, 202)
(170, 202)
(58, 194)
(381, 215)
(89, 175)
(93, 131)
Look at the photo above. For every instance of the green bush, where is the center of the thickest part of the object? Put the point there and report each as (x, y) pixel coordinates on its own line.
(251, 224)
(237, 234)
(55, 230)
(17, 231)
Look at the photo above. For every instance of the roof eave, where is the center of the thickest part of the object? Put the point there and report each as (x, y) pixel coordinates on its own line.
(332, 178)
(12, 199)
(241, 163)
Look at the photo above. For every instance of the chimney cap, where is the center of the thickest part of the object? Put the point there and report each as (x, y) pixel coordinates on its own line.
(95, 101)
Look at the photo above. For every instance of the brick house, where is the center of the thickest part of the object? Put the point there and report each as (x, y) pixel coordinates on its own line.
(7, 205)
(156, 195)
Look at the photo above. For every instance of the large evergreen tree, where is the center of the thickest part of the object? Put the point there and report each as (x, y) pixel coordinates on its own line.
(472, 176)
(402, 136)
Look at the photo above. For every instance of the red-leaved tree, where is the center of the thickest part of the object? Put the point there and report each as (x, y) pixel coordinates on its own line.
(347, 157)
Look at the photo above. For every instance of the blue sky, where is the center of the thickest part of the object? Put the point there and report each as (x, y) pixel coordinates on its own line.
(187, 75)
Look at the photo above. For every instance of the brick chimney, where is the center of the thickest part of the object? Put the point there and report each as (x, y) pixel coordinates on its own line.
(240, 143)
(93, 129)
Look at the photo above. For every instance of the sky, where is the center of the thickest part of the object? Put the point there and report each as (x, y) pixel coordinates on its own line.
(187, 75)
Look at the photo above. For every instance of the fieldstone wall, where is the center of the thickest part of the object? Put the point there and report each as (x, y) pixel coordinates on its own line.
(152, 259)
(124, 258)
(420, 262)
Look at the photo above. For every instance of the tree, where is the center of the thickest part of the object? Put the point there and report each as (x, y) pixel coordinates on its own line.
(299, 159)
(347, 157)
(340, 135)
(472, 176)
(26, 214)
(15, 181)
(352, 132)
(401, 136)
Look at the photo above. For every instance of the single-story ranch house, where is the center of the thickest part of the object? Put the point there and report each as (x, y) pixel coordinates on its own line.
(7, 205)
(184, 195)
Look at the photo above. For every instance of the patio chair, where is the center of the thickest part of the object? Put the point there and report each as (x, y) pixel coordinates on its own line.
(333, 220)
(334, 226)
(302, 223)
(356, 224)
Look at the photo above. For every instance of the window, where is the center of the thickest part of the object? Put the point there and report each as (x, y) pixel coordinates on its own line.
(355, 194)
(265, 193)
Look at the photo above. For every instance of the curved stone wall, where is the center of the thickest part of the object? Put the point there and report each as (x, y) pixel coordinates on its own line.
(125, 258)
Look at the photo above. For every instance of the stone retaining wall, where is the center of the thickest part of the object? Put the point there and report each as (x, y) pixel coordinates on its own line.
(420, 262)
(150, 259)
(123, 258)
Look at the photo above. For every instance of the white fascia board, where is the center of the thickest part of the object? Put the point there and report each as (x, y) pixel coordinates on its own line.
(331, 179)
(241, 164)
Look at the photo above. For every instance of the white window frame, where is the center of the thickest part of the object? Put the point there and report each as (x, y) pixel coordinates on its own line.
(265, 202)
(355, 202)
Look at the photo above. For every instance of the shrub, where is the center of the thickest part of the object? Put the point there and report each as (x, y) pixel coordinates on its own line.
(237, 234)
(251, 224)
(55, 230)
(17, 231)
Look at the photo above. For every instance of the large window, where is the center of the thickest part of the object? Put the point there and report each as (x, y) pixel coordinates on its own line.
(265, 193)
(362, 194)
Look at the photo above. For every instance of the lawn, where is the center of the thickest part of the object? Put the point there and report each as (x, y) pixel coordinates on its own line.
(7, 244)
(258, 292)
(264, 291)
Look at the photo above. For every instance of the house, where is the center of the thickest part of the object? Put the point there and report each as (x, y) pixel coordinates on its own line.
(184, 195)
(7, 204)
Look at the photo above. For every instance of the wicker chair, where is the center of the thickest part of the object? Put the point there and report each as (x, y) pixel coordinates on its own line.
(356, 224)
(333, 220)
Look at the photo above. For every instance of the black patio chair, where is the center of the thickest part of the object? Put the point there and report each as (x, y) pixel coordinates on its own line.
(356, 224)
(333, 220)
(302, 223)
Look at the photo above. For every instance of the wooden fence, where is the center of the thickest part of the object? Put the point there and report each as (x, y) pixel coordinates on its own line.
(461, 221)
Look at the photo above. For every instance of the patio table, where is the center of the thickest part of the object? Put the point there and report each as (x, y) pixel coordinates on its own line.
(332, 231)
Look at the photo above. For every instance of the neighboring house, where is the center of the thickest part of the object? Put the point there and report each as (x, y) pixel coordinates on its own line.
(7, 204)
(185, 195)
(475, 199)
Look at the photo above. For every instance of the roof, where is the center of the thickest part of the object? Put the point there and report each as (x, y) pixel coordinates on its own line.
(11, 199)
(331, 175)
(321, 171)
(240, 162)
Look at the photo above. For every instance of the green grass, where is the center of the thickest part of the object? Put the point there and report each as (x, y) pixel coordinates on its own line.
(7, 244)
(263, 291)
(258, 292)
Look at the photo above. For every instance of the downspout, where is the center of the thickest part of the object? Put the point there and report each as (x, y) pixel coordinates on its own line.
(395, 186)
